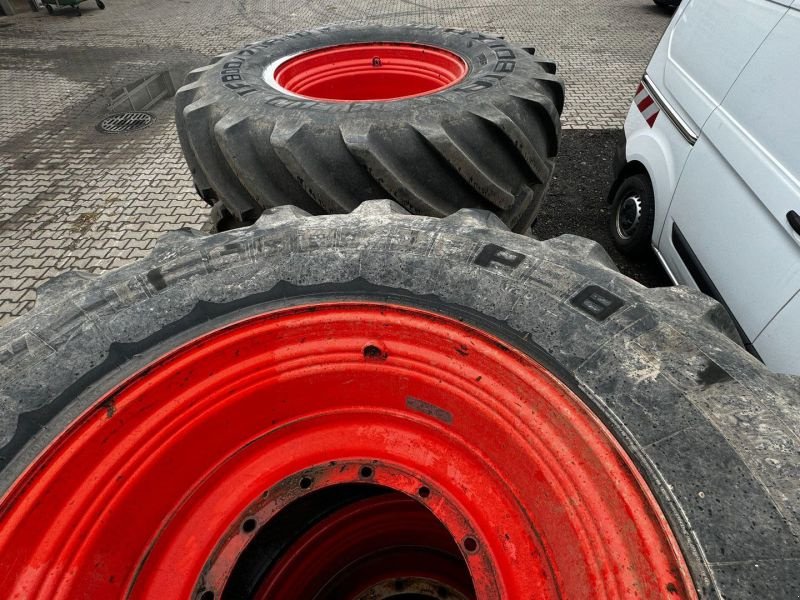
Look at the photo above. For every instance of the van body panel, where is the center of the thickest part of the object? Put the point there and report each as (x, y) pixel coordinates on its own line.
(741, 179)
(777, 344)
(668, 254)
(765, 103)
(735, 238)
(655, 68)
(708, 47)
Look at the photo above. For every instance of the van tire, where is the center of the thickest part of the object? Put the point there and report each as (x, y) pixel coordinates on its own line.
(632, 215)
(488, 141)
(711, 431)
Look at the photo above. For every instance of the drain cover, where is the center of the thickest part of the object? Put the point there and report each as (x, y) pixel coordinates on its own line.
(124, 122)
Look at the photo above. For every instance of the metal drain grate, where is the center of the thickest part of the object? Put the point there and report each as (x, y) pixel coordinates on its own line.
(125, 122)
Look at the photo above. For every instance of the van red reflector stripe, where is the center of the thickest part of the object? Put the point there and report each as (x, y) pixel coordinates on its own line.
(646, 105)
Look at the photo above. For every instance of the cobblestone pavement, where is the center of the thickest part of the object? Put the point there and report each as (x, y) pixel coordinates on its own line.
(73, 198)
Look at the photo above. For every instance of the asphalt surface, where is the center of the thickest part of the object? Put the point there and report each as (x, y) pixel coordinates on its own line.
(576, 200)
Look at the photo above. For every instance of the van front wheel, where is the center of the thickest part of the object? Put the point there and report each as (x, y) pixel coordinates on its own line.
(632, 215)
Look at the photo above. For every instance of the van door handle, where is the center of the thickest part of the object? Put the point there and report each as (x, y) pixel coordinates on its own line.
(794, 220)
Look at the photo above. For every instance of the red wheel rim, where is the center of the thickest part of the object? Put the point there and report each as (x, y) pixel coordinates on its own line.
(369, 72)
(147, 494)
(352, 543)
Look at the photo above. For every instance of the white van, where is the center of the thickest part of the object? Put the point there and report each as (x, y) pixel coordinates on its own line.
(709, 174)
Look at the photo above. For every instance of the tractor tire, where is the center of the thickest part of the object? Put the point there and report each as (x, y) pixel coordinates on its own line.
(487, 138)
(180, 426)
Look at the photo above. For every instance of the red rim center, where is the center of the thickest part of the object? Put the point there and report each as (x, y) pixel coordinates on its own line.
(370, 72)
(382, 541)
(161, 487)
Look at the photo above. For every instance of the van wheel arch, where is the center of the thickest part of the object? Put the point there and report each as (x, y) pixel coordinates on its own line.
(634, 167)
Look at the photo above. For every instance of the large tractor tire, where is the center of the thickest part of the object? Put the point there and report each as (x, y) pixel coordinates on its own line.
(380, 405)
(438, 119)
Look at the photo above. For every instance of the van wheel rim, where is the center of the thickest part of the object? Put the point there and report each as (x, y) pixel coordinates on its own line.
(629, 216)
(149, 493)
(367, 72)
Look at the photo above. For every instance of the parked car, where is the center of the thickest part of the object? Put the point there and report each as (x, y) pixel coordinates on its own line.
(709, 173)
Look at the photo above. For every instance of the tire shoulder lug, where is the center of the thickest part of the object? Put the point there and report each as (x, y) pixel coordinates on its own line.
(582, 249)
(280, 215)
(62, 286)
(473, 217)
(379, 207)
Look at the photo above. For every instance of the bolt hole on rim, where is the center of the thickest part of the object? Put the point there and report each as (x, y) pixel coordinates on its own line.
(453, 467)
